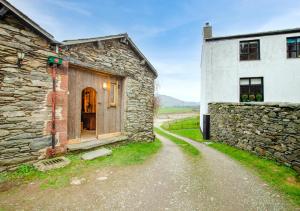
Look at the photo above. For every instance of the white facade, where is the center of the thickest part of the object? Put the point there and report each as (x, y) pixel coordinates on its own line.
(221, 70)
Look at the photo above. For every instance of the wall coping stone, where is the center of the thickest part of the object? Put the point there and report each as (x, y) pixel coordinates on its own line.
(281, 104)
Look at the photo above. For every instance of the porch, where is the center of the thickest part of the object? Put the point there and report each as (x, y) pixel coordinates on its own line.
(95, 104)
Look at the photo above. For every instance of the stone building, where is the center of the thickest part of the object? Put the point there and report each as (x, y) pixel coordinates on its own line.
(104, 90)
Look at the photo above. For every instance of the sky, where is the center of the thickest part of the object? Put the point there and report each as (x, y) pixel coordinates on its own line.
(168, 32)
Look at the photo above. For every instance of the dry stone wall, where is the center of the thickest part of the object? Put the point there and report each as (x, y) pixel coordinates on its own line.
(23, 93)
(271, 130)
(120, 59)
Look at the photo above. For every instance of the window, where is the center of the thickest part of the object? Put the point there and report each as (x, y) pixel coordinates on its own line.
(293, 47)
(113, 93)
(249, 50)
(251, 89)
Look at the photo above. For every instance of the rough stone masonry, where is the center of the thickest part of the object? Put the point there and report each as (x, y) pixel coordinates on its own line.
(121, 59)
(24, 112)
(271, 130)
(26, 91)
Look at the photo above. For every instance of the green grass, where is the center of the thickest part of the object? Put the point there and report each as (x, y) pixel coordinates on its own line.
(193, 134)
(130, 154)
(186, 147)
(174, 110)
(188, 127)
(282, 178)
(186, 123)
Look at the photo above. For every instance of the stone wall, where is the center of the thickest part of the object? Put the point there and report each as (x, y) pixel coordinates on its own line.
(271, 130)
(25, 111)
(120, 59)
(26, 91)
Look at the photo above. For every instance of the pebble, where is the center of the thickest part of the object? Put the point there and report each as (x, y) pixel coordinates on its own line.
(102, 178)
(77, 181)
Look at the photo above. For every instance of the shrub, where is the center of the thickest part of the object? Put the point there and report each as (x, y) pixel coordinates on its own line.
(245, 98)
(252, 97)
(259, 97)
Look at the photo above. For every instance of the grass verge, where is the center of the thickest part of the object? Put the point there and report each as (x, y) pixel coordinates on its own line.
(133, 153)
(188, 127)
(282, 178)
(193, 134)
(186, 147)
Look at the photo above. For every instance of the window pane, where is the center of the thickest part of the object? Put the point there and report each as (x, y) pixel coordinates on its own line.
(244, 81)
(253, 56)
(244, 90)
(112, 94)
(291, 40)
(244, 57)
(255, 89)
(292, 47)
(253, 92)
(249, 50)
(292, 54)
(255, 81)
(244, 48)
(253, 50)
(253, 44)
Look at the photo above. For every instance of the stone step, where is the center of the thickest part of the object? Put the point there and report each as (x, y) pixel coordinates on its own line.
(96, 154)
(95, 143)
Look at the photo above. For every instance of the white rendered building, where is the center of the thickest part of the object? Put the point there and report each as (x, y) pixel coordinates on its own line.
(263, 67)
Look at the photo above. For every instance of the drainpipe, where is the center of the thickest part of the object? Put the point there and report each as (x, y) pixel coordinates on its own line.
(54, 62)
(53, 128)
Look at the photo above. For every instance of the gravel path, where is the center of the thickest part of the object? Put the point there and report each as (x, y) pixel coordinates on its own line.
(231, 186)
(170, 180)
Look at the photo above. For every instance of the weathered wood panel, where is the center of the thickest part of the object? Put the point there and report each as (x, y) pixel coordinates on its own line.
(108, 118)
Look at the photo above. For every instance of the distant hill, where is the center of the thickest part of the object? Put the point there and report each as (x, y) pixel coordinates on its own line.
(167, 101)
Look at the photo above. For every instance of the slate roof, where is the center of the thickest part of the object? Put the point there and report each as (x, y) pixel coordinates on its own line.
(27, 20)
(5, 6)
(118, 36)
(258, 34)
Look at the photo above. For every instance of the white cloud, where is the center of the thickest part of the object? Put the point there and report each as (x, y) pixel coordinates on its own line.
(179, 78)
(71, 6)
(36, 12)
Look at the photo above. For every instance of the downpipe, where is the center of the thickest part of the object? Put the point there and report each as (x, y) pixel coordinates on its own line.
(53, 125)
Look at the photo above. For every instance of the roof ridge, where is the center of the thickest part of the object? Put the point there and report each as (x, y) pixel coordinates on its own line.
(28, 20)
(109, 37)
(98, 37)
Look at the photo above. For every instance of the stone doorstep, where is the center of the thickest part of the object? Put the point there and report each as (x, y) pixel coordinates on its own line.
(95, 143)
(95, 154)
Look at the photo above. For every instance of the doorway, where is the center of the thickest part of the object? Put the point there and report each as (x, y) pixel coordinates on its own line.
(88, 113)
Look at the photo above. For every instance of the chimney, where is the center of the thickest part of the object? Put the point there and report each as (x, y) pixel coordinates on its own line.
(207, 31)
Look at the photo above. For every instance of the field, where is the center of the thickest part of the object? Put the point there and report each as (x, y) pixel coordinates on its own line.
(173, 110)
(188, 127)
